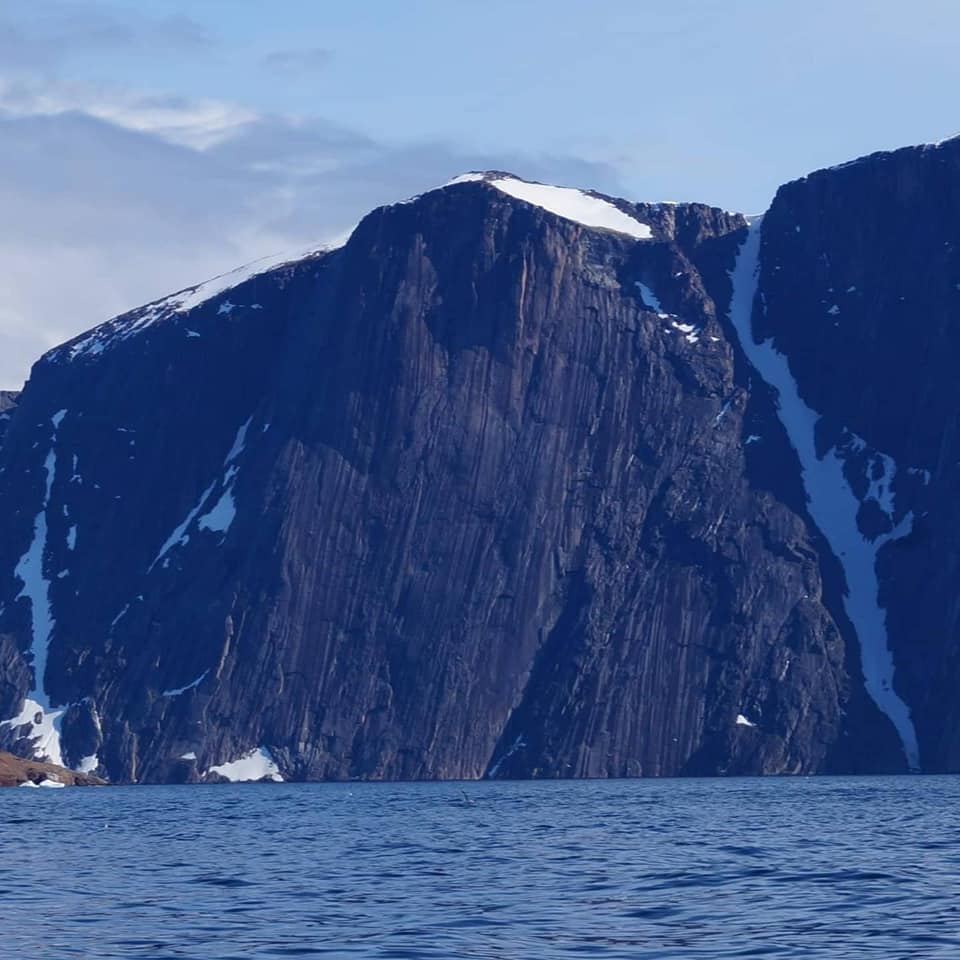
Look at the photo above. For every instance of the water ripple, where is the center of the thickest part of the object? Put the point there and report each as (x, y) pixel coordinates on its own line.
(805, 868)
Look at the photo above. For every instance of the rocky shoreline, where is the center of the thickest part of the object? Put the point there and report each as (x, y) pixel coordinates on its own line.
(17, 772)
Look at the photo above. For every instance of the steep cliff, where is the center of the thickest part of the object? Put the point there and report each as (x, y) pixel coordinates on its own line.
(860, 282)
(490, 490)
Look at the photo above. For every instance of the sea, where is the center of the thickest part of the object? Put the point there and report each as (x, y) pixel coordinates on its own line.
(779, 867)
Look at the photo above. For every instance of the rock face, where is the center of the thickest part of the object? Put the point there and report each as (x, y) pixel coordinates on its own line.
(8, 402)
(489, 490)
(861, 281)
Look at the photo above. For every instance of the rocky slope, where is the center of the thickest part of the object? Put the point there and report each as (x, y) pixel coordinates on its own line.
(497, 488)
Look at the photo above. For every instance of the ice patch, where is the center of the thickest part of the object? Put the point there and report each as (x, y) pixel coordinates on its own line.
(254, 765)
(188, 756)
(742, 721)
(72, 537)
(834, 310)
(832, 503)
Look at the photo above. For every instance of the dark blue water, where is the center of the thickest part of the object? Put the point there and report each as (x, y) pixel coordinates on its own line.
(833, 868)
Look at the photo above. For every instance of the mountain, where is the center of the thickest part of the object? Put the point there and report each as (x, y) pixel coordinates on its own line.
(520, 481)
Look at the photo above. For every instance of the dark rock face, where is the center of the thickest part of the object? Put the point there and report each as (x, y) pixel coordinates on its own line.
(861, 280)
(475, 494)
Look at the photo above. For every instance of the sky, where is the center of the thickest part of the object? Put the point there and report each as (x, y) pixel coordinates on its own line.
(146, 145)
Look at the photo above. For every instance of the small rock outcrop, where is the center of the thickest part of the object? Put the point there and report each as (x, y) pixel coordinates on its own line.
(17, 772)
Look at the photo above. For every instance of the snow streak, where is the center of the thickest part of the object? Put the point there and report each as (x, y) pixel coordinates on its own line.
(832, 503)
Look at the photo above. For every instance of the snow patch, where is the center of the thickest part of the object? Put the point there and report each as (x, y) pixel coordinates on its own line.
(180, 537)
(742, 721)
(88, 764)
(572, 204)
(832, 503)
(190, 686)
(43, 731)
(517, 744)
(188, 756)
(566, 202)
(37, 715)
(465, 178)
(691, 333)
(221, 515)
(254, 765)
(95, 341)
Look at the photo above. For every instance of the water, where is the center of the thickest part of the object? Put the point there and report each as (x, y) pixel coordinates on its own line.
(832, 868)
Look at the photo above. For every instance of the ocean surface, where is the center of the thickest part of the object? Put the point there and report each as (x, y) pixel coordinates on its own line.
(805, 868)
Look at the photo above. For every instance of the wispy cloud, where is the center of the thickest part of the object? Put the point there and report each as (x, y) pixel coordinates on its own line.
(44, 35)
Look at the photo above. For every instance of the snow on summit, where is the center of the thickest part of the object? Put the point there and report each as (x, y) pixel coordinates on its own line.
(583, 207)
(567, 202)
(95, 341)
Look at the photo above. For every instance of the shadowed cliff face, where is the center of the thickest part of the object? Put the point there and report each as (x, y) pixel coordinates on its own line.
(482, 492)
(861, 279)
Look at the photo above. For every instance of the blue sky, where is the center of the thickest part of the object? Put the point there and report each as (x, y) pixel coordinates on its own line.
(145, 145)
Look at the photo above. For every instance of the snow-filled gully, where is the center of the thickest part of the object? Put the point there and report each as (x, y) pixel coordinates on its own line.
(832, 503)
(45, 731)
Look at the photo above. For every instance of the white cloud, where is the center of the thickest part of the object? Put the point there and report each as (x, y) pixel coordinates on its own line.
(193, 123)
(112, 199)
